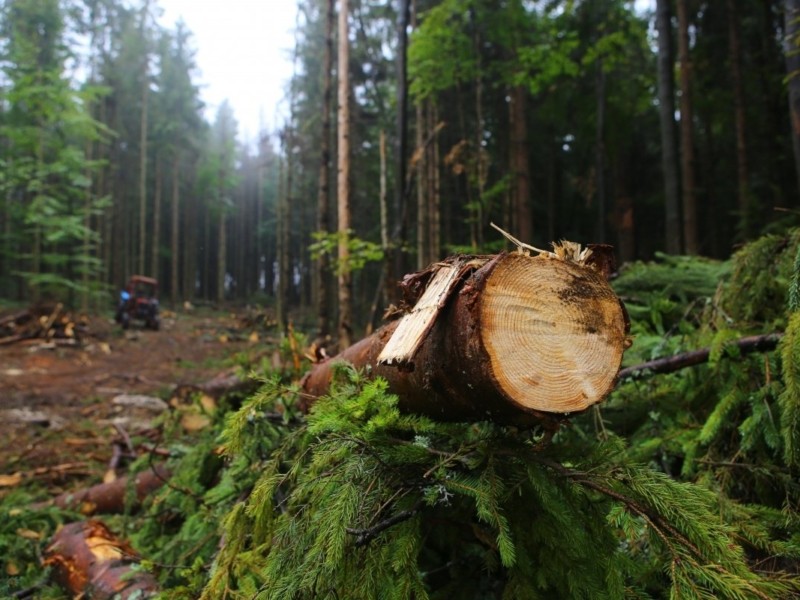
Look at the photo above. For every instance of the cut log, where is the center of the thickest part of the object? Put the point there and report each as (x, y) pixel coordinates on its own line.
(91, 562)
(110, 497)
(515, 338)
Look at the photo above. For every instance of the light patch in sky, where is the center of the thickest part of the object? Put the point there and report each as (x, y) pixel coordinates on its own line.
(244, 53)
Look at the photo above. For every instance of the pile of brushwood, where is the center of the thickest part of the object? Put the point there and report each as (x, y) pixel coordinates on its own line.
(44, 322)
(684, 483)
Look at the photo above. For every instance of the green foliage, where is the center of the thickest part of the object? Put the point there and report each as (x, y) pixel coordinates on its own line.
(360, 251)
(367, 502)
(24, 534)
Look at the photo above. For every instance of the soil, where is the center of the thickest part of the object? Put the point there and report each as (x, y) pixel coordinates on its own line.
(57, 405)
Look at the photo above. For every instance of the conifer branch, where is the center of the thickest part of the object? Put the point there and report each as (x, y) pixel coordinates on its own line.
(669, 364)
(364, 536)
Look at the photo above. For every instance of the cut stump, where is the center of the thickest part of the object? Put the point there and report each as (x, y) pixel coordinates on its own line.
(512, 338)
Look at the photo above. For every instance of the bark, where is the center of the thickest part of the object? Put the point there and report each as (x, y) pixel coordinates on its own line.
(345, 328)
(420, 162)
(109, 497)
(154, 257)
(520, 169)
(175, 234)
(791, 15)
(666, 104)
(669, 364)
(401, 198)
(323, 193)
(691, 245)
(91, 562)
(143, 149)
(600, 152)
(511, 338)
(742, 168)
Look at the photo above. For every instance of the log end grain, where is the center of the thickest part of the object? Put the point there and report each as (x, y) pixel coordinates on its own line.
(554, 332)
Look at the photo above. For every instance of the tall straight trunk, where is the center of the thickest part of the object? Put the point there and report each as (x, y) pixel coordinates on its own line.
(286, 225)
(323, 192)
(143, 152)
(222, 256)
(86, 243)
(396, 263)
(154, 257)
(175, 233)
(281, 243)
(742, 169)
(434, 202)
(626, 239)
(477, 233)
(191, 225)
(791, 16)
(259, 214)
(345, 328)
(691, 244)
(421, 183)
(600, 152)
(522, 215)
(666, 106)
(384, 208)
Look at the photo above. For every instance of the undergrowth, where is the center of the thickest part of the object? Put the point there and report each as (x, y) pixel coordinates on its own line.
(681, 485)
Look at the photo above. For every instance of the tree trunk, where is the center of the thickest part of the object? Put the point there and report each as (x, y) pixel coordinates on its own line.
(345, 328)
(90, 561)
(143, 150)
(791, 15)
(154, 257)
(691, 245)
(600, 152)
(511, 338)
(323, 193)
(394, 262)
(522, 223)
(419, 164)
(666, 106)
(742, 169)
(175, 233)
(221, 253)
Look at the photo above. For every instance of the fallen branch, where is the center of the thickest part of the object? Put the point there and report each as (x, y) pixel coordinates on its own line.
(669, 364)
(91, 562)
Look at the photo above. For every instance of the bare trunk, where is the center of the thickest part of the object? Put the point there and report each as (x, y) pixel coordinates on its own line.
(323, 194)
(175, 233)
(691, 244)
(222, 255)
(154, 262)
(419, 165)
(600, 152)
(143, 159)
(791, 15)
(742, 169)
(666, 109)
(510, 338)
(522, 215)
(345, 328)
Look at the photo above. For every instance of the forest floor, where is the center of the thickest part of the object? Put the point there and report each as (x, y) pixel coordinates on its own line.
(57, 408)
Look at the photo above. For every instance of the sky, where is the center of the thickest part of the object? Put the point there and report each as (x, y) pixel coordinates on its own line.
(244, 55)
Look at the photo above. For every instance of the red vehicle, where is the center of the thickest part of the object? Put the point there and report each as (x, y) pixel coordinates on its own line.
(139, 300)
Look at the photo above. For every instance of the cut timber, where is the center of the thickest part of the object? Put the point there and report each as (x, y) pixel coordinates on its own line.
(110, 497)
(518, 339)
(91, 562)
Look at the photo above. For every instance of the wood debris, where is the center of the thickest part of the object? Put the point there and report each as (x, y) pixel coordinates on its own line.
(49, 323)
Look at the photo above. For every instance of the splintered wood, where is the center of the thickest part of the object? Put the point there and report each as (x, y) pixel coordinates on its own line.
(415, 324)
